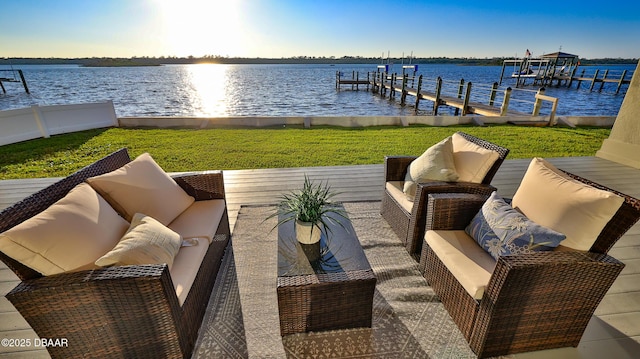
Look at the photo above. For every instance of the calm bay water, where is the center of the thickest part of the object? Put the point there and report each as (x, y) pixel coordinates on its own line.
(267, 90)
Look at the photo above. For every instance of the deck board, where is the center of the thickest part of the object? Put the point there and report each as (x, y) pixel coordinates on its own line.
(614, 329)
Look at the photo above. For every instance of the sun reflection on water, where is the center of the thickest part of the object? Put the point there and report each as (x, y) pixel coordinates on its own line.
(209, 92)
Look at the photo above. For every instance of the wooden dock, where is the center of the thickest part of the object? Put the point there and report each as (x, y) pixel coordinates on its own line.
(461, 98)
(622, 80)
(12, 76)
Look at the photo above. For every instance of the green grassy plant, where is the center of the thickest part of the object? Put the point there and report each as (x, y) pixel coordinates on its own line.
(190, 149)
(311, 204)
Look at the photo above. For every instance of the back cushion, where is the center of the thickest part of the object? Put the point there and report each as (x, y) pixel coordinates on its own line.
(141, 186)
(554, 200)
(73, 232)
(472, 162)
(435, 164)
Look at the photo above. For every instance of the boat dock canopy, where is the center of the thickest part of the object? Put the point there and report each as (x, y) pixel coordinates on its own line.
(559, 55)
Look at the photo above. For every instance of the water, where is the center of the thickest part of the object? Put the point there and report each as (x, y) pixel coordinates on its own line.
(268, 90)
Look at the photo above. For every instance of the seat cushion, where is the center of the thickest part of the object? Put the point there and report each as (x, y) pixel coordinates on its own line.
(198, 224)
(147, 241)
(501, 230)
(435, 164)
(200, 220)
(472, 161)
(185, 267)
(141, 186)
(395, 190)
(470, 265)
(73, 232)
(552, 199)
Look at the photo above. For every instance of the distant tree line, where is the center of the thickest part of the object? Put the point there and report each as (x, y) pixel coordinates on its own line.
(217, 59)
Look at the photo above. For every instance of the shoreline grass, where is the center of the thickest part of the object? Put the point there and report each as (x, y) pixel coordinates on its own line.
(226, 149)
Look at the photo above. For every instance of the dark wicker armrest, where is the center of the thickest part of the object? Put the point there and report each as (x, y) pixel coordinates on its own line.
(86, 306)
(523, 273)
(541, 293)
(426, 188)
(451, 211)
(87, 276)
(395, 167)
(202, 185)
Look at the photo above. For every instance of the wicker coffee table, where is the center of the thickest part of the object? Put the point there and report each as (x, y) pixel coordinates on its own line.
(329, 286)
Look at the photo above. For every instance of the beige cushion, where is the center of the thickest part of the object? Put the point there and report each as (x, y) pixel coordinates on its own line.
(185, 267)
(435, 164)
(146, 242)
(471, 265)
(141, 186)
(200, 220)
(395, 190)
(554, 200)
(472, 161)
(71, 233)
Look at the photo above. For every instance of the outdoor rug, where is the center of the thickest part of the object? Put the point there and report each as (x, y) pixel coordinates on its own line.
(242, 316)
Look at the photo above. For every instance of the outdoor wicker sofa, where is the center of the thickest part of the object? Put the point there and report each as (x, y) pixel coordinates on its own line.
(118, 311)
(532, 301)
(409, 224)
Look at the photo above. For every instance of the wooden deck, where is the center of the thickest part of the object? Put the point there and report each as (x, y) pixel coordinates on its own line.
(614, 331)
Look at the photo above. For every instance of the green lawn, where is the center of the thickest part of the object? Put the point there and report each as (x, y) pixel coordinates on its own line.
(189, 149)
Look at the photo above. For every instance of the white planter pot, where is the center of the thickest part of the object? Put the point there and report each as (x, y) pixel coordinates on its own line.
(305, 234)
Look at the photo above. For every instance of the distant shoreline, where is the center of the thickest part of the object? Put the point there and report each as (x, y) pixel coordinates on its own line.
(158, 61)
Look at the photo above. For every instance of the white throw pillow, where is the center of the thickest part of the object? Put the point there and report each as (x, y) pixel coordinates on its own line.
(71, 233)
(435, 164)
(146, 242)
(141, 186)
(472, 161)
(554, 200)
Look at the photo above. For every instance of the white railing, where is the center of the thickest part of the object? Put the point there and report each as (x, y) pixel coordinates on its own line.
(44, 121)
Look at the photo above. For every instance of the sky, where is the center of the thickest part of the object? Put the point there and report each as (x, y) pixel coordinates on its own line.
(290, 28)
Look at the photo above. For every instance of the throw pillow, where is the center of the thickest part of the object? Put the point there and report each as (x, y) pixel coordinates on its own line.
(435, 164)
(553, 199)
(71, 233)
(141, 186)
(146, 242)
(501, 230)
(472, 161)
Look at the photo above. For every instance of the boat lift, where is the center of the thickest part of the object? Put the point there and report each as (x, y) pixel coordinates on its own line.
(12, 75)
(557, 66)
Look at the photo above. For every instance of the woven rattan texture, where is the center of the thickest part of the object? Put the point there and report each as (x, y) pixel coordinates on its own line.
(128, 311)
(410, 226)
(533, 301)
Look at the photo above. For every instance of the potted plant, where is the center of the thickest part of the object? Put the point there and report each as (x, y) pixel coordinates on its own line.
(309, 208)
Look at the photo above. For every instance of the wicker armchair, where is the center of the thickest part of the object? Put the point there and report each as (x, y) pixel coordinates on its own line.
(410, 226)
(125, 311)
(533, 301)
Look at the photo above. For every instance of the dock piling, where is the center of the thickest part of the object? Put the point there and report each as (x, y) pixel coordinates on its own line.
(460, 87)
(436, 102)
(624, 73)
(604, 77)
(403, 96)
(595, 79)
(467, 96)
(492, 95)
(418, 92)
(505, 102)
